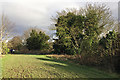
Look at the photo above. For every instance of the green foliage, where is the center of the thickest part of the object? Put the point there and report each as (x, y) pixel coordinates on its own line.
(5, 48)
(79, 32)
(69, 33)
(111, 48)
(37, 41)
(15, 43)
(109, 42)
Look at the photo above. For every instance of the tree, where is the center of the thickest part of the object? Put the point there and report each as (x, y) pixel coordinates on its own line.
(37, 41)
(6, 29)
(80, 31)
(27, 32)
(15, 43)
(69, 32)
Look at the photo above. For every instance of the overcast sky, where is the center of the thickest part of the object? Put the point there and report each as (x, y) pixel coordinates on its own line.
(30, 13)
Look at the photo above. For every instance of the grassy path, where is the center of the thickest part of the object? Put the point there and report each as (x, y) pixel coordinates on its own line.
(41, 66)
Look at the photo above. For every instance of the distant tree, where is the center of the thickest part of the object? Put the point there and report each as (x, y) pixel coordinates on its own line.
(27, 32)
(15, 43)
(37, 41)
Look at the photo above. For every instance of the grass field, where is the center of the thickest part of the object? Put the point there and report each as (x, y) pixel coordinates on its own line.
(41, 66)
(0, 67)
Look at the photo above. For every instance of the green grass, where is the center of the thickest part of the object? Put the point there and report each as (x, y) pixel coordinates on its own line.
(41, 66)
(0, 67)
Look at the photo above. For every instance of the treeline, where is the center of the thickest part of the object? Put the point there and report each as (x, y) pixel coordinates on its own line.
(33, 41)
(89, 33)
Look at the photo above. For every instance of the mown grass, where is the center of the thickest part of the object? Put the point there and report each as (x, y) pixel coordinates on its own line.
(0, 67)
(41, 66)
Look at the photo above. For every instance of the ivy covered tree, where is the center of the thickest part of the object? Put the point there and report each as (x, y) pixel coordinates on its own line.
(79, 31)
(37, 41)
(69, 31)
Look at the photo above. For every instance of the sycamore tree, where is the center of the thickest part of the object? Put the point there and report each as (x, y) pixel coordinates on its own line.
(80, 30)
(6, 28)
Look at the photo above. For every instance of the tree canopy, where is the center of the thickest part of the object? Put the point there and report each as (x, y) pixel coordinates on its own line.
(79, 30)
(15, 43)
(37, 41)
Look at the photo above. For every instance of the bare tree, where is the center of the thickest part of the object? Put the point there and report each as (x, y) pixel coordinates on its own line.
(6, 28)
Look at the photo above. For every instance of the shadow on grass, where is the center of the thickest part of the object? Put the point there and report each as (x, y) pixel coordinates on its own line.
(48, 59)
(80, 70)
(57, 62)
